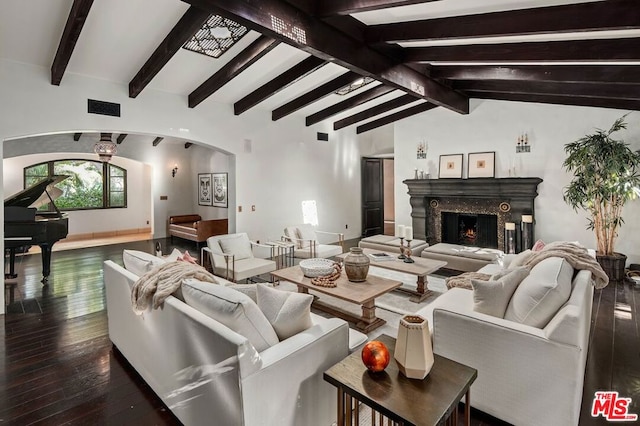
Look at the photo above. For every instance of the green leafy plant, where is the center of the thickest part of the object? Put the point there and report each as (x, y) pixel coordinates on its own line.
(606, 176)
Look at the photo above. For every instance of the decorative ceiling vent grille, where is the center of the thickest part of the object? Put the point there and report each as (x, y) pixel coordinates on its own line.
(216, 36)
(354, 86)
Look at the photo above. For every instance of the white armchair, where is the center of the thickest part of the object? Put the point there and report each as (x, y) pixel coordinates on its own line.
(310, 242)
(236, 258)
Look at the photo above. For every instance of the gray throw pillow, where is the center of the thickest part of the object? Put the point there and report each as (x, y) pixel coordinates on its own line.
(289, 313)
(492, 297)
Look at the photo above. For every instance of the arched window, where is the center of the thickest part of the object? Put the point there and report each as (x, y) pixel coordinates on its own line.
(90, 184)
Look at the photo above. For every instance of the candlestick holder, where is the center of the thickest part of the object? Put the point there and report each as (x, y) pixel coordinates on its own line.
(402, 256)
(407, 252)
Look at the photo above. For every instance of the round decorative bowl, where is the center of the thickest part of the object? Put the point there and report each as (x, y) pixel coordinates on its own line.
(316, 267)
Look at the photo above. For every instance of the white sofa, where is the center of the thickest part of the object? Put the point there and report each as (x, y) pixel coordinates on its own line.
(526, 375)
(206, 373)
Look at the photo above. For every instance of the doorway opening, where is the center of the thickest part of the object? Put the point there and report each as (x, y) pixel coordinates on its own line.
(378, 202)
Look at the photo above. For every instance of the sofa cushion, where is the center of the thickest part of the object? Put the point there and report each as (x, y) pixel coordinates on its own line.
(492, 297)
(289, 313)
(239, 246)
(518, 260)
(542, 293)
(294, 233)
(233, 309)
(139, 262)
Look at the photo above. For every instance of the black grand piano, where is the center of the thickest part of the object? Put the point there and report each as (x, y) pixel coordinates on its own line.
(25, 226)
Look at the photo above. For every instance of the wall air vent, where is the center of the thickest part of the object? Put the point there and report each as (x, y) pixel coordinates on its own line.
(323, 136)
(103, 108)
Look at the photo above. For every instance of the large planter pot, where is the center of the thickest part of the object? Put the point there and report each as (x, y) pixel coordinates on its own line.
(356, 265)
(613, 265)
(414, 353)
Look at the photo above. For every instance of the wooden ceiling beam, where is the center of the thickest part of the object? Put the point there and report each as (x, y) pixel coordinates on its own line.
(597, 16)
(314, 95)
(70, 35)
(346, 7)
(601, 50)
(256, 50)
(121, 138)
(568, 73)
(76, 136)
(289, 24)
(192, 20)
(588, 90)
(157, 140)
(391, 118)
(373, 111)
(279, 83)
(625, 104)
(349, 103)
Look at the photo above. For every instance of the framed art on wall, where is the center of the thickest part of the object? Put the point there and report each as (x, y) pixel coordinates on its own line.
(481, 165)
(204, 189)
(220, 198)
(450, 166)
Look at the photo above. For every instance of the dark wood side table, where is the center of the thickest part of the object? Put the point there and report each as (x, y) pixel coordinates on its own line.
(432, 401)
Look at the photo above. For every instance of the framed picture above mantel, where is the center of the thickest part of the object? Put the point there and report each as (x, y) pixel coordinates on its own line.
(481, 165)
(451, 166)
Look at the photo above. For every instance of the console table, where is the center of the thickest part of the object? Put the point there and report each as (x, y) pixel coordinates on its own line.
(432, 401)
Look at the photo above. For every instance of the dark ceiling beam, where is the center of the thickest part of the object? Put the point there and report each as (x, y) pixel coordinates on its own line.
(289, 24)
(349, 103)
(569, 73)
(417, 109)
(256, 50)
(70, 34)
(187, 26)
(121, 138)
(601, 50)
(279, 83)
(157, 140)
(76, 136)
(625, 104)
(187, 145)
(597, 16)
(589, 90)
(314, 95)
(373, 111)
(346, 7)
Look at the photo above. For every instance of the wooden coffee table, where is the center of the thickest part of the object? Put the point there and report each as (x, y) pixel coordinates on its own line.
(363, 293)
(421, 268)
(432, 401)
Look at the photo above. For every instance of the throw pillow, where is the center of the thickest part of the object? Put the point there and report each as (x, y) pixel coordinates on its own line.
(492, 297)
(231, 308)
(248, 289)
(289, 313)
(293, 233)
(174, 256)
(186, 257)
(139, 262)
(239, 246)
(307, 234)
(539, 245)
(520, 259)
(542, 293)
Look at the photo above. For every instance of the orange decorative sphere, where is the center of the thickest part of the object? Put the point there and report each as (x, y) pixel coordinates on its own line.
(375, 356)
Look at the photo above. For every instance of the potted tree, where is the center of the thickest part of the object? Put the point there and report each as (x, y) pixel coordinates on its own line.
(606, 176)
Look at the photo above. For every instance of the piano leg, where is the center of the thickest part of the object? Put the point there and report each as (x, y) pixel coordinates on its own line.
(12, 264)
(46, 261)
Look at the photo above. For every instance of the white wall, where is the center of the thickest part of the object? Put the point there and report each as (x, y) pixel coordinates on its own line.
(495, 126)
(286, 164)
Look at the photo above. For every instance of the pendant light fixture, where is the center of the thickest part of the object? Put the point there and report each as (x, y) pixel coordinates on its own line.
(105, 148)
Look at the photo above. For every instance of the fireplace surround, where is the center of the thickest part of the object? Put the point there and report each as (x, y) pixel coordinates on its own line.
(506, 198)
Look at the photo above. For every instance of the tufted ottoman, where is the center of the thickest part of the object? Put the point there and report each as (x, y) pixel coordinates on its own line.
(391, 244)
(462, 258)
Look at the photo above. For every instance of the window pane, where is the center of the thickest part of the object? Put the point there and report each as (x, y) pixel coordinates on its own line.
(38, 170)
(117, 199)
(115, 171)
(32, 180)
(84, 186)
(116, 184)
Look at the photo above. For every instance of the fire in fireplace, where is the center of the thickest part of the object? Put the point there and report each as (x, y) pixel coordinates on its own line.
(479, 230)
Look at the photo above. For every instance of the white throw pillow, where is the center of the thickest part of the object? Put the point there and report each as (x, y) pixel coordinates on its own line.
(292, 232)
(520, 259)
(307, 233)
(139, 262)
(174, 256)
(239, 246)
(289, 313)
(539, 297)
(248, 289)
(231, 308)
(492, 297)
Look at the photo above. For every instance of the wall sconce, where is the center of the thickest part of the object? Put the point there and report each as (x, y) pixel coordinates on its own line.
(523, 143)
(423, 147)
(174, 171)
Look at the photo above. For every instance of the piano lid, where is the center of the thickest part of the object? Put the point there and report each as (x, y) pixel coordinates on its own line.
(28, 197)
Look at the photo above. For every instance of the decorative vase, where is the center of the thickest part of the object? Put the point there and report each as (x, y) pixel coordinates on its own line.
(356, 265)
(414, 353)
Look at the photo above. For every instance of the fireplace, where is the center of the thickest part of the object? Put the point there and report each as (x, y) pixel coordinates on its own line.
(480, 230)
(482, 206)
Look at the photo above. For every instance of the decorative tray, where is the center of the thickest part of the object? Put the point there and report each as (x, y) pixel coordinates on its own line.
(316, 267)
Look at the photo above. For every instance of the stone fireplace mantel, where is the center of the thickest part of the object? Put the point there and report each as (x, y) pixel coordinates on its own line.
(509, 198)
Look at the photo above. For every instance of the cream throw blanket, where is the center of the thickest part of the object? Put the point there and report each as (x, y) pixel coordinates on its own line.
(576, 255)
(155, 286)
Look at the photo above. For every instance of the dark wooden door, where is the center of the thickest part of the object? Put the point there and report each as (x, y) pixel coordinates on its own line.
(372, 197)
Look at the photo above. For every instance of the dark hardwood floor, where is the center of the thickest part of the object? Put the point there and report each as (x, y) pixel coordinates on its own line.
(59, 367)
